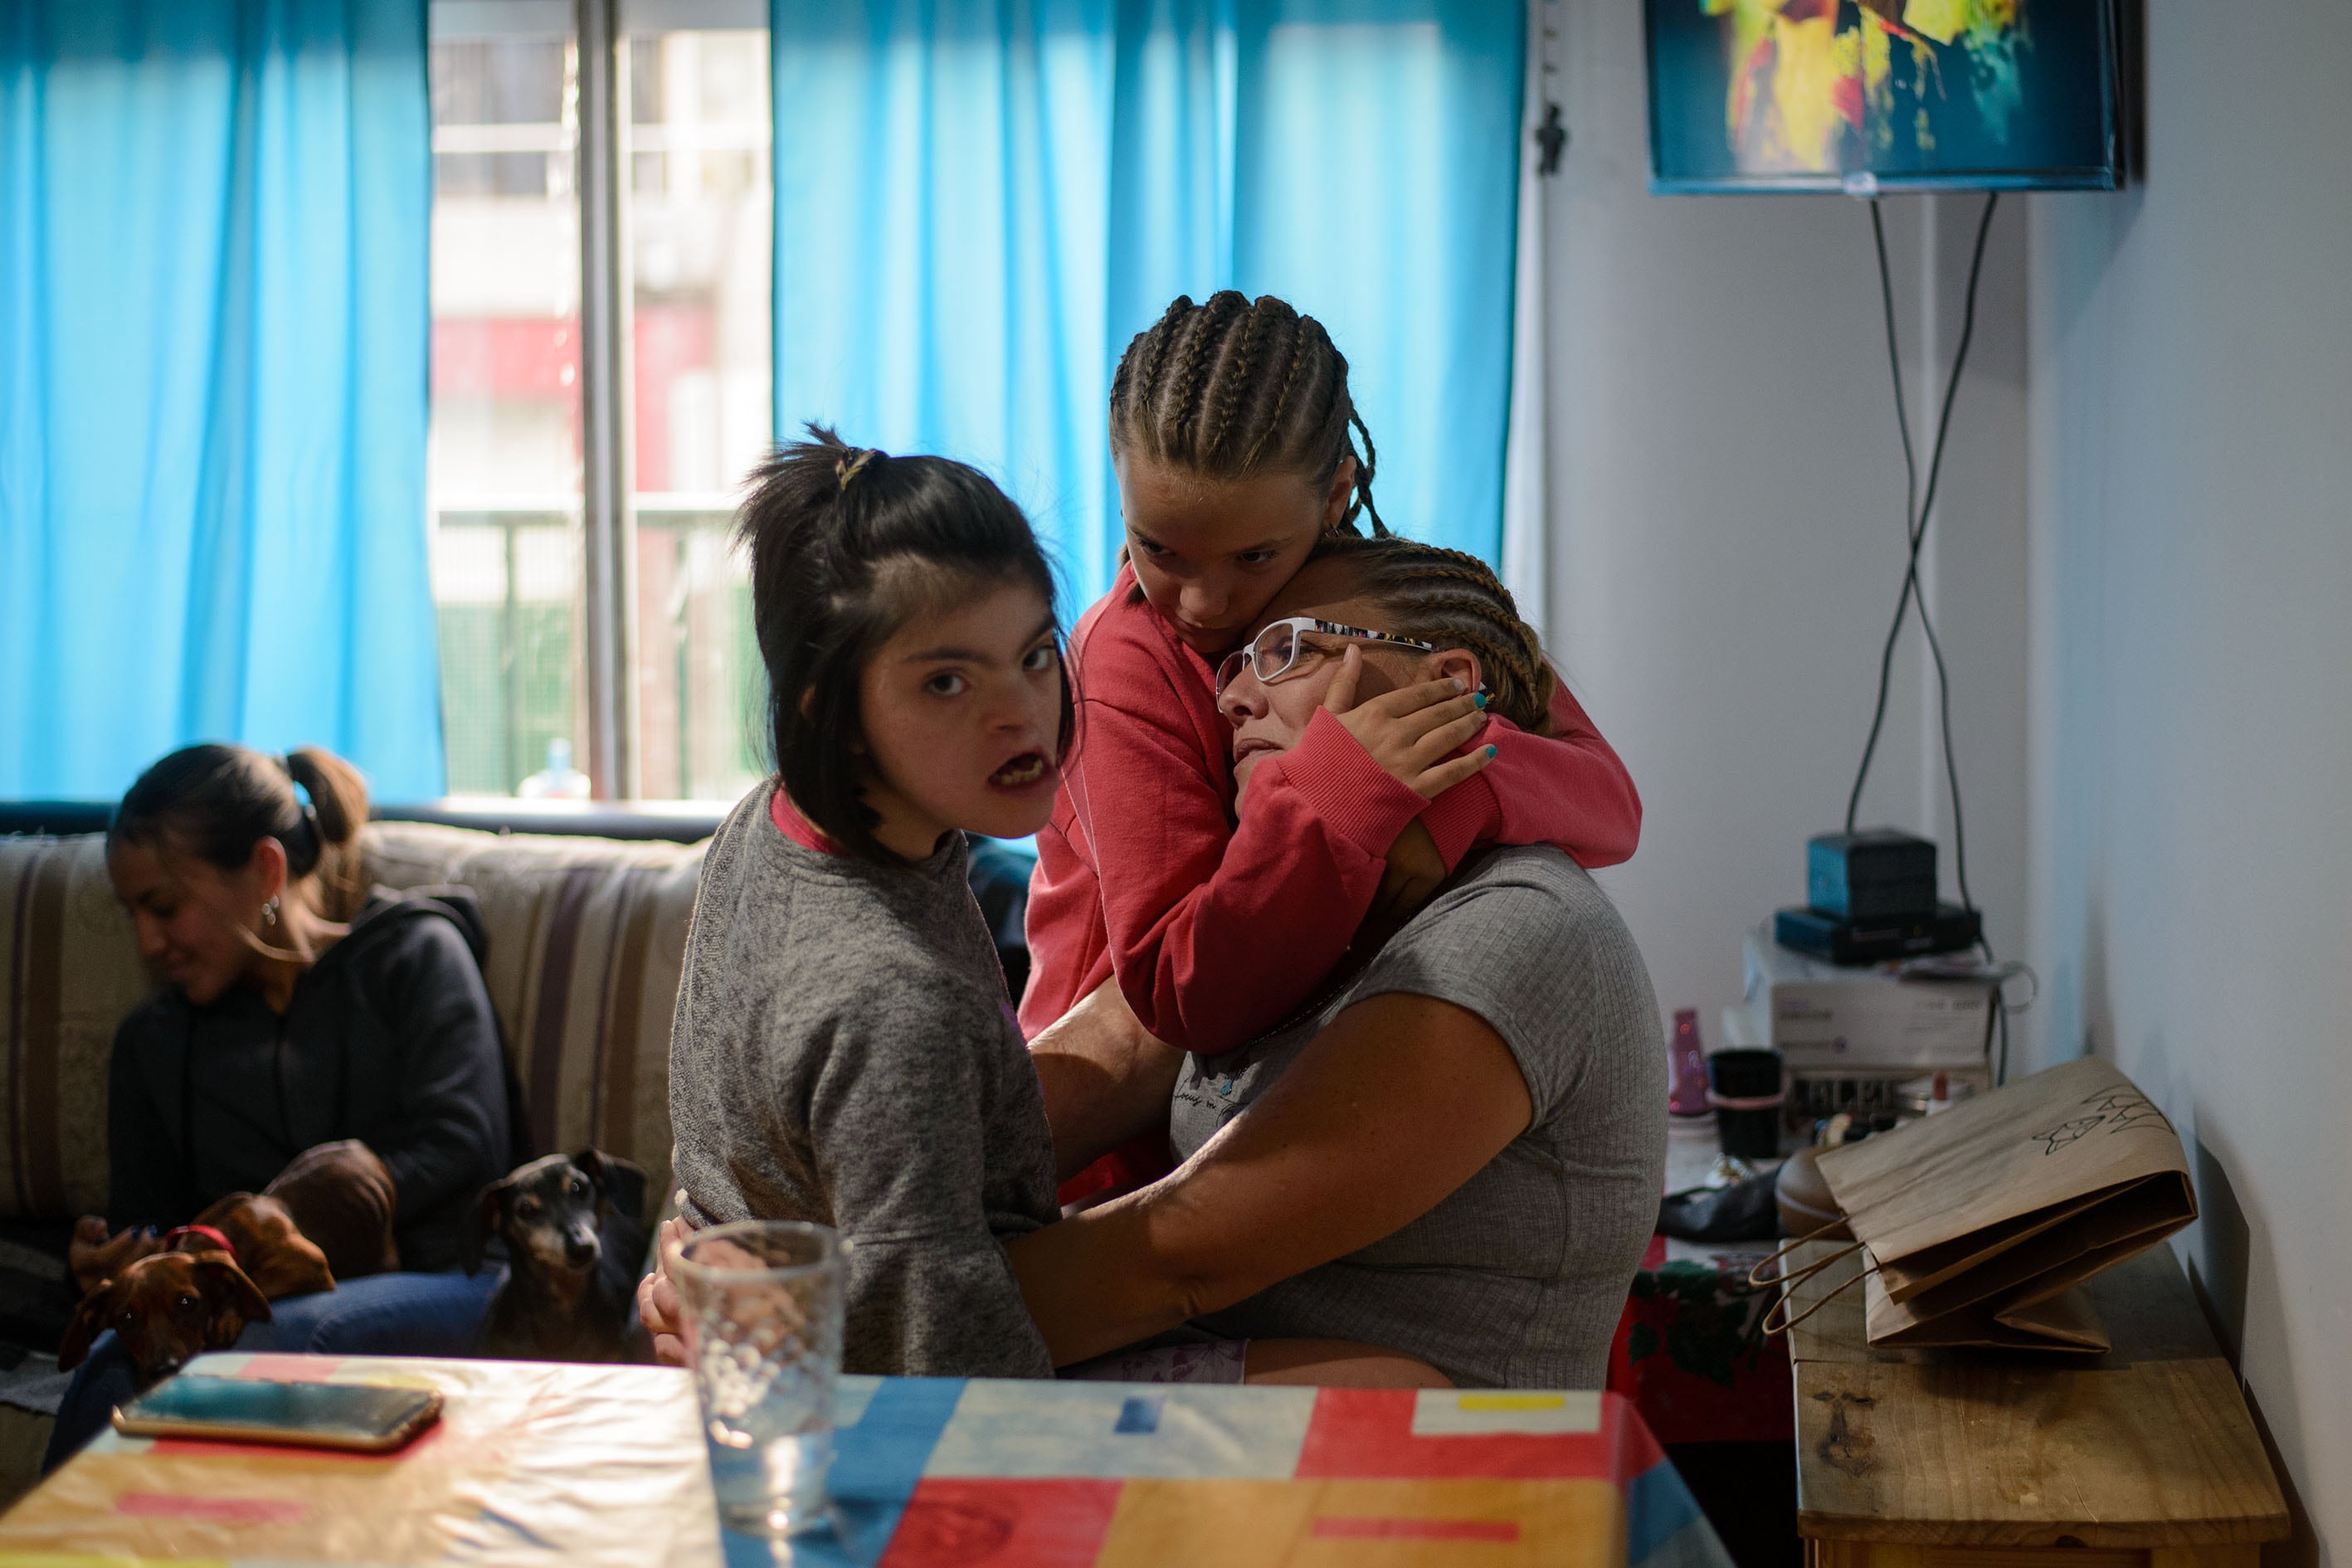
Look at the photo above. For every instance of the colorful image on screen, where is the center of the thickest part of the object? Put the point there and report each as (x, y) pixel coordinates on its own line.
(1813, 93)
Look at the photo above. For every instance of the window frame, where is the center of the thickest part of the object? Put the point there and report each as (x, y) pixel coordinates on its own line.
(607, 419)
(611, 753)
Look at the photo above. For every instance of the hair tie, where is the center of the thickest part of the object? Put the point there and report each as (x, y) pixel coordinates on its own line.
(849, 466)
(301, 790)
(305, 845)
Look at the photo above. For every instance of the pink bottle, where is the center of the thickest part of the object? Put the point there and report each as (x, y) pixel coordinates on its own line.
(1687, 1067)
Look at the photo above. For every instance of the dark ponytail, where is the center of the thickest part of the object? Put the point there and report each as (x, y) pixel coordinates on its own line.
(847, 544)
(338, 809)
(217, 801)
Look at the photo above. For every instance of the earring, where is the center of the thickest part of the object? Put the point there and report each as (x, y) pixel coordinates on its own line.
(269, 913)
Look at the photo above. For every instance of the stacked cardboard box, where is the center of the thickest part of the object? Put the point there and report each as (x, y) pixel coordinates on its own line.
(1854, 1037)
(1821, 1015)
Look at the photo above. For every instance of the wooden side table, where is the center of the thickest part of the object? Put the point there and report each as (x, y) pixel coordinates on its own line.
(2144, 1458)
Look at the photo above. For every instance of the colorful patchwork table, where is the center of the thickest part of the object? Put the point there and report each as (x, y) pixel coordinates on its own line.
(539, 1464)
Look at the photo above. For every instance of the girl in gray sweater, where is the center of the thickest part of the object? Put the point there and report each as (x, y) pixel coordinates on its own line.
(843, 1050)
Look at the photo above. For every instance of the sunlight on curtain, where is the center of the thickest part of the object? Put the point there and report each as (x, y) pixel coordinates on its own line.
(979, 203)
(212, 345)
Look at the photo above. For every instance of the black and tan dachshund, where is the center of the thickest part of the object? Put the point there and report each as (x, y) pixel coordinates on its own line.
(575, 1229)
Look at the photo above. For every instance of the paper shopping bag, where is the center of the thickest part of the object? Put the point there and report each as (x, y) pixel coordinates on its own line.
(1978, 1221)
(2067, 1321)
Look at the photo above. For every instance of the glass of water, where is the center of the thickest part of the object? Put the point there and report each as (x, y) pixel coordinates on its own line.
(763, 1308)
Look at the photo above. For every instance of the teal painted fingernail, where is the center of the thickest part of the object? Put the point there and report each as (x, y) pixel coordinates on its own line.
(1490, 751)
(1480, 699)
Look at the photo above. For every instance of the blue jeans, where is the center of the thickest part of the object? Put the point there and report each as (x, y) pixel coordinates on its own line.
(383, 1314)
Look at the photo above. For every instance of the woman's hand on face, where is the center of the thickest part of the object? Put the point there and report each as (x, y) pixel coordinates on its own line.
(91, 1256)
(1413, 730)
(657, 1304)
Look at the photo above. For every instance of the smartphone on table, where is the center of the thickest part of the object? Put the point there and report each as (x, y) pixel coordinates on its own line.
(353, 1416)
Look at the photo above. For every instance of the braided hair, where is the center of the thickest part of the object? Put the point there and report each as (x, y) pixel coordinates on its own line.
(1233, 388)
(1455, 600)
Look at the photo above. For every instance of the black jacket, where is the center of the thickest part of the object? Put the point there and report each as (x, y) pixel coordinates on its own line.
(388, 1039)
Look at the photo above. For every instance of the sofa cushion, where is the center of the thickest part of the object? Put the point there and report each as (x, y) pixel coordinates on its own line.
(587, 943)
(69, 970)
(587, 938)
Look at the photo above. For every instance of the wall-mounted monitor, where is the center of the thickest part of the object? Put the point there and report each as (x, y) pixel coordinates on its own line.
(1872, 95)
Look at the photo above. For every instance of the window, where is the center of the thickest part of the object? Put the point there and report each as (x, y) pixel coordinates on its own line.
(700, 227)
(525, 546)
(982, 204)
(503, 465)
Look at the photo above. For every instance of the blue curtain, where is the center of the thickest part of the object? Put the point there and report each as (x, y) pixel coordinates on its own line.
(213, 343)
(978, 202)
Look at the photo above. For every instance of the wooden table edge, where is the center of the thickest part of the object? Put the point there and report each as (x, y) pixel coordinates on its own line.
(2111, 1534)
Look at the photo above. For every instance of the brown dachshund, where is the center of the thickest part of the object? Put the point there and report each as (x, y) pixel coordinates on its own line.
(341, 1197)
(167, 1310)
(328, 1213)
(219, 1274)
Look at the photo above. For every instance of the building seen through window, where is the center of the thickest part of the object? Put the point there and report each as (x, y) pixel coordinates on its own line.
(700, 226)
(507, 449)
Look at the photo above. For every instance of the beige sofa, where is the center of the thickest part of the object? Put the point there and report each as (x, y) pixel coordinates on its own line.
(586, 939)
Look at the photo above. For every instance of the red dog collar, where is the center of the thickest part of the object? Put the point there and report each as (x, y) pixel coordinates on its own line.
(205, 1231)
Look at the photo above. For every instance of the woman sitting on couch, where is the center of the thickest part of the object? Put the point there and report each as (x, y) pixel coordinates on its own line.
(300, 1010)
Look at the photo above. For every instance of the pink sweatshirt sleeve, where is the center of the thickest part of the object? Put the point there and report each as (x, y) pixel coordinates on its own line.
(1567, 789)
(1215, 930)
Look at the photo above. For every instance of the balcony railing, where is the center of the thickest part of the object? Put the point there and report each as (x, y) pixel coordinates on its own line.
(507, 589)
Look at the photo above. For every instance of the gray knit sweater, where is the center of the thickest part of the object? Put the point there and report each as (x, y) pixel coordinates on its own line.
(843, 1052)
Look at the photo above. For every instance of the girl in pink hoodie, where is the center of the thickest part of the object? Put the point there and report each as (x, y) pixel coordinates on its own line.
(1233, 437)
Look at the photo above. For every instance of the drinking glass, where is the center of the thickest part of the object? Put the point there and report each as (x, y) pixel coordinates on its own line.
(762, 1307)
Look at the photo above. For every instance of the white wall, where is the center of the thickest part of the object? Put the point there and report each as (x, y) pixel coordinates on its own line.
(2144, 577)
(2192, 490)
(1726, 506)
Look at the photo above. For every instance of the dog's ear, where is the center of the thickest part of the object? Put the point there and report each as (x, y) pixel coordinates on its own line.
(489, 1213)
(620, 1184)
(89, 1320)
(590, 1162)
(291, 1265)
(232, 1299)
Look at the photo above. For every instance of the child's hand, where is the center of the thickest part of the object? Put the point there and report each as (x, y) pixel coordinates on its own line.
(658, 1303)
(1413, 730)
(90, 1257)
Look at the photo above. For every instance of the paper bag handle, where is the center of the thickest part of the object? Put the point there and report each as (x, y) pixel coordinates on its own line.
(1780, 1308)
(1789, 1282)
(1755, 1275)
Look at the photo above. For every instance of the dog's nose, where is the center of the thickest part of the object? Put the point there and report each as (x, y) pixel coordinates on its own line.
(579, 1251)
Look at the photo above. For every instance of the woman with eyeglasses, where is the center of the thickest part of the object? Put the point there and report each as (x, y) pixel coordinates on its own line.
(1454, 1150)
